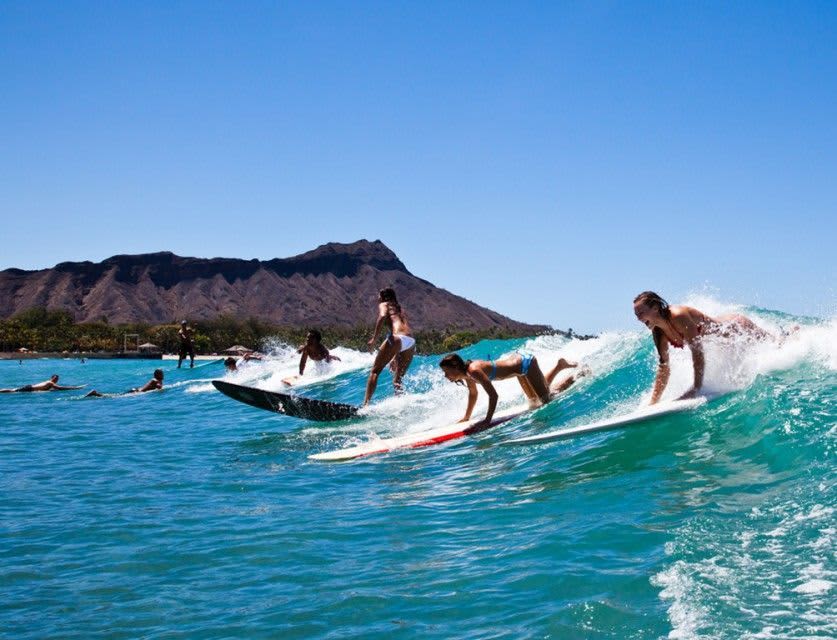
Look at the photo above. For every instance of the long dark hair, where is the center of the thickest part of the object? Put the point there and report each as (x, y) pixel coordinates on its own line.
(455, 361)
(655, 301)
(388, 295)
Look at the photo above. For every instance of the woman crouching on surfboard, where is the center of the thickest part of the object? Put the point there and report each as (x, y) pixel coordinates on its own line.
(521, 366)
(681, 326)
(398, 348)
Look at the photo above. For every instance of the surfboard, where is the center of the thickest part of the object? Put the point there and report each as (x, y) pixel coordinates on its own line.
(618, 422)
(286, 404)
(418, 439)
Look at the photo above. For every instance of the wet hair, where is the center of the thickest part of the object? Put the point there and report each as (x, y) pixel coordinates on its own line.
(455, 361)
(158, 373)
(229, 362)
(183, 322)
(388, 295)
(316, 335)
(655, 301)
(54, 377)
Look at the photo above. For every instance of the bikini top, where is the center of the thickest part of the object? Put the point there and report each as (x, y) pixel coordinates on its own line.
(679, 344)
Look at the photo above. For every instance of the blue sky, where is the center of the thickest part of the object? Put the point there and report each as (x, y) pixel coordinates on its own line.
(547, 160)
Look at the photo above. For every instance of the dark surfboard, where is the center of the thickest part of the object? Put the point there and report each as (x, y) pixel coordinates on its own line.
(294, 406)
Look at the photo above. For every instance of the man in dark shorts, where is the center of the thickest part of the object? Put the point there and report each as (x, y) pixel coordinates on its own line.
(46, 385)
(187, 347)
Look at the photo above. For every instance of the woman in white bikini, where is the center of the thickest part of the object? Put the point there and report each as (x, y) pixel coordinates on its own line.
(398, 348)
(681, 326)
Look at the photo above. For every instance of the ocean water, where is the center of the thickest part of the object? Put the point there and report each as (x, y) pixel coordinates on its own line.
(183, 514)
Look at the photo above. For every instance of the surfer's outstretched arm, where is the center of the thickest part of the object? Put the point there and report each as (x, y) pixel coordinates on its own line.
(302, 361)
(472, 399)
(663, 373)
(699, 364)
(482, 378)
(382, 316)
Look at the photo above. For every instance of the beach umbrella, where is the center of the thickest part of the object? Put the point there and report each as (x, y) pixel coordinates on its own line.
(237, 349)
(149, 347)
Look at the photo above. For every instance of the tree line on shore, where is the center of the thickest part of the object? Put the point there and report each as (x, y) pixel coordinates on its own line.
(44, 330)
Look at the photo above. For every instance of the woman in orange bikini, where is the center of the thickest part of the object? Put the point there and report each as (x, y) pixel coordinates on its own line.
(681, 326)
(399, 347)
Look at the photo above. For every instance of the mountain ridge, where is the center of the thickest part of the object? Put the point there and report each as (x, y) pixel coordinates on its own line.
(335, 284)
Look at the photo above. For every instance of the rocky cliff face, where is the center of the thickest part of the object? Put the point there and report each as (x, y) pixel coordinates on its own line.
(333, 285)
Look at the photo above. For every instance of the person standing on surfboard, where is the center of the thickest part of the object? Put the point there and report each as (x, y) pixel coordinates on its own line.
(397, 349)
(187, 347)
(524, 367)
(681, 326)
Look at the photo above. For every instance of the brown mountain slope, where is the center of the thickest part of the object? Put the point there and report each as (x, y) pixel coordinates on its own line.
(333, 285)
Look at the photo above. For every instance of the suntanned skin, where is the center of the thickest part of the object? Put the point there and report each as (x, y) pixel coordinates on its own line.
(46, 385)
(390, 349)
(314, 350)
(536, 387)
(688, 325)
(152, 385)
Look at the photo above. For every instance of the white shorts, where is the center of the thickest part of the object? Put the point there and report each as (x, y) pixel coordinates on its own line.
(407, 342)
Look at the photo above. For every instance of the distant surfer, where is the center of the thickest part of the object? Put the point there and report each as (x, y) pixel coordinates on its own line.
(397, 349)
(681, 326)
(537, 388)
(154, 384)
(231, 365)
(46, 385)
(187, 345)
(313, 349)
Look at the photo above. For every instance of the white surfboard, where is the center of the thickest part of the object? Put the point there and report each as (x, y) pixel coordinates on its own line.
(618, 422)
(418, 439)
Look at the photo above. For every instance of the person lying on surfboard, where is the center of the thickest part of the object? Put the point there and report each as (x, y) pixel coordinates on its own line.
(681, 326)
(230, 363)
(155, 383)
(398, 348)
(46, 385)
(522, 366)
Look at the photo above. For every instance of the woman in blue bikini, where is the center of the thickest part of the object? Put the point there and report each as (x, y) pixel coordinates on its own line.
(524, 367)
(397, 349)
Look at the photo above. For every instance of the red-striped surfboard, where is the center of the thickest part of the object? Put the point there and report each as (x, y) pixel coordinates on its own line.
(416, 440)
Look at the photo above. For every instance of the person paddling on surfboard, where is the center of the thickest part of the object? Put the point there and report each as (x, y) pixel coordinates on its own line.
(46, 385)
(524, 367)
(681, 326)
(155, 383)
(313, 349)
(397, 349)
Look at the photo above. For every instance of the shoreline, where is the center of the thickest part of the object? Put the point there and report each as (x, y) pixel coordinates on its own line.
(98, 355)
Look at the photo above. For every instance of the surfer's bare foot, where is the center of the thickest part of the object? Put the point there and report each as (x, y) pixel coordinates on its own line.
(563, 363)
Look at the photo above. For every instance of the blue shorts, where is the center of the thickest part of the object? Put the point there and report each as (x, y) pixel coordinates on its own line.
(527, 360)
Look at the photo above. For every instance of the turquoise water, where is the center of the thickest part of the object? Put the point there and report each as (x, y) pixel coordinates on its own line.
(184, 514)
